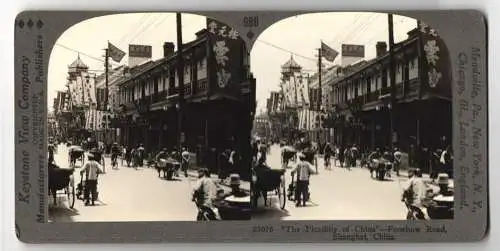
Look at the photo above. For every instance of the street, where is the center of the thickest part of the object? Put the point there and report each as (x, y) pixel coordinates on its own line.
(128, 194)
(339, 194)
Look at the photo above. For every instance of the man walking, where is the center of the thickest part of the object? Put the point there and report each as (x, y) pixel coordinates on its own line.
(186, 156)
(91, 170)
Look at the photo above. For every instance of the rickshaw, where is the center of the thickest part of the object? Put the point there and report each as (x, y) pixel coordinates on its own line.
(287, 153)
(168, 167)
(265, 180)
(76, 153)
(62, 179)
(381, 167)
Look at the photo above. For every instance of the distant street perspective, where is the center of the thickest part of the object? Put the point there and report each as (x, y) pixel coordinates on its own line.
(347, 136)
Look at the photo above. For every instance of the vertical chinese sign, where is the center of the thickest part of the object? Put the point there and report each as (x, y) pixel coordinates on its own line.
(437, 61)
(227, 48)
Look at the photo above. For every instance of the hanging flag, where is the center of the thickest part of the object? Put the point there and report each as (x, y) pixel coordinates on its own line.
(328, 53)
(115, 53)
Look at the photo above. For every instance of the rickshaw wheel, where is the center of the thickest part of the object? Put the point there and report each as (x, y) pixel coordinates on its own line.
(70, 192)
(103, 164)
(281, 192)
(253, 198)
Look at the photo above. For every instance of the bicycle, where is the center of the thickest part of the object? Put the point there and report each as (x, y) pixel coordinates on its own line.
(114, 161)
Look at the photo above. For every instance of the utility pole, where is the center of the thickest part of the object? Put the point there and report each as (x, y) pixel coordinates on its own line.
(106, 93)
(392, 76)
(180, 75)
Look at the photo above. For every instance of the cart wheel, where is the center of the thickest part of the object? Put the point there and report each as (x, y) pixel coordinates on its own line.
(281, 191)
(103, 164)
(253, 198)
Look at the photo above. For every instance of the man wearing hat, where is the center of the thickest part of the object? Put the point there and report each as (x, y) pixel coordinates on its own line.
(415, 194)
(441, 206)
(303, 169)
(234, 184)
(91, 170)
(235, 204)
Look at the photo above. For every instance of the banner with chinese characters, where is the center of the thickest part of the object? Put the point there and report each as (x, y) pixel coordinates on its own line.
(437, 62)
(353, 50)
(228, 50)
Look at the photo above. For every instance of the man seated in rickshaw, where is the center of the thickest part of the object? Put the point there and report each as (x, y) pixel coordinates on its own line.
(441, 201)
(234, 184)
(234, 204)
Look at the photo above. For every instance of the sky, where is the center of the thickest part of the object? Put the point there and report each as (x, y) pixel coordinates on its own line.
(299, 35)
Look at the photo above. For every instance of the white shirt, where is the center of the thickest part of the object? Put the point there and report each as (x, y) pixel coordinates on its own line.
(207, 191)
(303, 170)
(418, 190)
(91, 170)
(186, 156)
(231, 157)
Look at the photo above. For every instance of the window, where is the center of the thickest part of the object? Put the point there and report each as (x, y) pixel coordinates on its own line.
(202, 69)
(399, 74)
(413, 68)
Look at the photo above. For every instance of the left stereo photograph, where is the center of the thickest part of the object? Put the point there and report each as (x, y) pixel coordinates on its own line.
(149, 126)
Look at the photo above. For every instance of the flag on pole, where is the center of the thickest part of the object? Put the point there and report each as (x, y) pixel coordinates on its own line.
(328, 53)
(115, 53)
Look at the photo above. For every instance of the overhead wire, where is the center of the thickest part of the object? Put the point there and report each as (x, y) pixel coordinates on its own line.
(338, 35)
(369, 23)
(356, 30)
(136, 26)
(285, 50)
(152, 21)
(87, 55)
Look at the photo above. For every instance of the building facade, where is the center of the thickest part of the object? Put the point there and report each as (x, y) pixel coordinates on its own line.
(216, 112)
(415, 112)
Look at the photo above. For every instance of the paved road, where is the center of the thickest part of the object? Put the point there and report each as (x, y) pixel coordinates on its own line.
(129, 195)
(339, 194)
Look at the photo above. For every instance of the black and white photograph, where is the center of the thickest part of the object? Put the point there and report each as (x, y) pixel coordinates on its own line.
(252, 126)
(353, 119)
(150, 116)
(164, 117)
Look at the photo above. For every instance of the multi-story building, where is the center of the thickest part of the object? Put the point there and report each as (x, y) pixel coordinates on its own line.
(77, 101)
(218, 107)
(415, 113)
(321, 106)
(100, 120)
(295, 98)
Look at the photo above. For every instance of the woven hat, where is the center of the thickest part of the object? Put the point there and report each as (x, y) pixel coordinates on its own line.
(234, 179)
(443, 179)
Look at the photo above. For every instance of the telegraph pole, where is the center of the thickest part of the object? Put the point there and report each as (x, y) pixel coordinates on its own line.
(106, 98)
(392, 75)
(180, 74)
